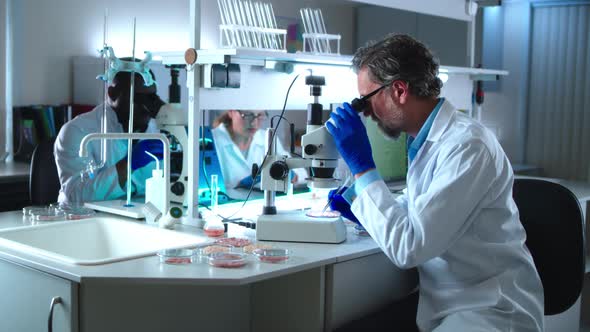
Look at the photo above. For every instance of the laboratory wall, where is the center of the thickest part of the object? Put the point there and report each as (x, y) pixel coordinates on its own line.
(446, 37)
(4, 72)
(505, 45)
(48, 33)
(454, 9)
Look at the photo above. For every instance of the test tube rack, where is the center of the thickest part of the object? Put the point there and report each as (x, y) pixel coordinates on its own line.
(316, 40)
(250, 25)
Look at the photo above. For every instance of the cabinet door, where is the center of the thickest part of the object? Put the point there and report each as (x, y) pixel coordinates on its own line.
(26, 296)
(360, 286)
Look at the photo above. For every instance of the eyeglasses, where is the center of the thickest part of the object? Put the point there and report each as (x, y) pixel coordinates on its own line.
(374, 92)
(359, 104)
(249, 116)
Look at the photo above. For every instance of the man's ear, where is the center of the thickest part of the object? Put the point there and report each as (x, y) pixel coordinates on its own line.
(400, 91)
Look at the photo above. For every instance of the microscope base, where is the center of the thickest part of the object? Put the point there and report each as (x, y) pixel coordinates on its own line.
(295, 226)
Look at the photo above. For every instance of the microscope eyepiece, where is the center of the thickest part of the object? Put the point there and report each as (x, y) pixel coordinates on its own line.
(359, 104)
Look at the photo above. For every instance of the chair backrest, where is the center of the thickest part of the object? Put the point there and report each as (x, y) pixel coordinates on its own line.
(552, 218)
(43, 178)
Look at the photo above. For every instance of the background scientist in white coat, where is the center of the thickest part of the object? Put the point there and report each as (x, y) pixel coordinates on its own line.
(456, 221)
(240, 142)
(110, 181)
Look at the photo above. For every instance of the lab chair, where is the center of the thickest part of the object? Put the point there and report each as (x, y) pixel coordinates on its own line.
(43, 178)
(552, 218)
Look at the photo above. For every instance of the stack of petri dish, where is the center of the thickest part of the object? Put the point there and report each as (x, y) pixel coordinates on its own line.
(227, 259)
(273, 255)
(176, 256)
(57, 212)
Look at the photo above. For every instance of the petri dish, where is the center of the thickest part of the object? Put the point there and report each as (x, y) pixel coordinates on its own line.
(30, 210)
(176, 256)
(237, 242)
(361, 231)
(214, 248)
(274, 255)
(324, 214)
(227, 260)
(48, 213)
(251, 247)
(79, 212)
(214, 229)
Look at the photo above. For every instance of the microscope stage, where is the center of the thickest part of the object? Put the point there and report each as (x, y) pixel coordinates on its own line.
(296, 226)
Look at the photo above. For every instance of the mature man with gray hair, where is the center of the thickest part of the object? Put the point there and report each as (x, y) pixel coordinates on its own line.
(456, 221)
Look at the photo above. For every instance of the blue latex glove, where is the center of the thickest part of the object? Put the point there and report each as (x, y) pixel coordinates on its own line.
(338, 203)
(138, 156)
(248, 181)
(351, 139)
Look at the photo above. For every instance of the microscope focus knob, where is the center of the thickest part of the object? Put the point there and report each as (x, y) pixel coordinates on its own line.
(279, 170)
(177, 188)
(310, 149)
(254, 171)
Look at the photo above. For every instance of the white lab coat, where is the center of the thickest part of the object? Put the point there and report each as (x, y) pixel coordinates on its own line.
(458, 224)
(105, 184)
(234, 167)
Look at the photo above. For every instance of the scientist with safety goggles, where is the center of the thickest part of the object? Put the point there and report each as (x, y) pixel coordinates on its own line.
(456, 222)
(110, 181)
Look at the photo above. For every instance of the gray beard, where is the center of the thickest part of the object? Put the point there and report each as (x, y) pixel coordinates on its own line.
(390, 134)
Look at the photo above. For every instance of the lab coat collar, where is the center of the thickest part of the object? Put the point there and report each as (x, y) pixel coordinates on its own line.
(228, 141)
(441, 122)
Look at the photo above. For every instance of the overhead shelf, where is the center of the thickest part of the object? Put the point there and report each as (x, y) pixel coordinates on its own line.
(476, 74)
(252, 57)
(262, 57)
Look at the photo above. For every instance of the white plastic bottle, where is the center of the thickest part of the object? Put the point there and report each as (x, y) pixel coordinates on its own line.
(155, 187)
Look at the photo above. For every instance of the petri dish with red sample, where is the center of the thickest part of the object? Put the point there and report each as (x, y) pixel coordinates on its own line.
(214, 229)
(209, 249)
(227, 259)
(272, 255)
(176, 256)
(237, 242)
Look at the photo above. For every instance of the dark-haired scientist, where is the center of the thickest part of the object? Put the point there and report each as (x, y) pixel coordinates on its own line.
(110, 181)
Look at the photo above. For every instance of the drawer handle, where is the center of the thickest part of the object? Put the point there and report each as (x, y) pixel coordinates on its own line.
(55, 300)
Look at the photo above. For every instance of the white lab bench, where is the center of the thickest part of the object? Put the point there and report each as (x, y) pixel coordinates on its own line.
(321, 287)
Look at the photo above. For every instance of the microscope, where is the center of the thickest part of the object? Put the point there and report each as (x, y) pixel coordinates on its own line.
(173, 122)
(320, 157)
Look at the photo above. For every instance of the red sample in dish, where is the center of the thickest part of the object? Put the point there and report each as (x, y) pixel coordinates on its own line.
(272, 255)
(273, 259)
(227, 260)
(234, 241)
(178, 260)
(214, 232)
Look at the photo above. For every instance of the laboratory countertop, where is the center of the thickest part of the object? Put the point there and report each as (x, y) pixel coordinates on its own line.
(149, 269)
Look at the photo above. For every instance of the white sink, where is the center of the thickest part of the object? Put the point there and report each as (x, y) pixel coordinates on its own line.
(94, 241)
